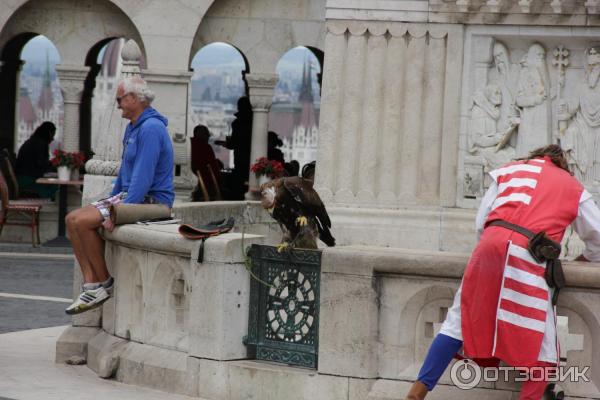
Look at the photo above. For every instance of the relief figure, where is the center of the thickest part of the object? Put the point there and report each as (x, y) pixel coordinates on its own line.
(484, 136)
(504, 75)
(534, 101)
(582, 137)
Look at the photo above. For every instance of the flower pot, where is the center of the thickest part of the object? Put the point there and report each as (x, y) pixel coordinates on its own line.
(64, 173)
(75, 174)
(263, 179)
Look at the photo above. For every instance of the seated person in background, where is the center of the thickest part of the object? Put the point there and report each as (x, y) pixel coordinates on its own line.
(33, 161)
(204, 160)
(273, 151)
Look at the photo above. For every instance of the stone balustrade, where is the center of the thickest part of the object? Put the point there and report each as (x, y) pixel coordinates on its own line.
(177, 325)
(397, 300)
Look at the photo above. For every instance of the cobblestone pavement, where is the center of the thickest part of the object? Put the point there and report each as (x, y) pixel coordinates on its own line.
(33, 289)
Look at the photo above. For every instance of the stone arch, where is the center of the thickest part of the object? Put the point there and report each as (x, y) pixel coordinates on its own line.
(218, 127)
(73, 28)
(130, 288)
(417, 330)
(167, 312)
(262, 29)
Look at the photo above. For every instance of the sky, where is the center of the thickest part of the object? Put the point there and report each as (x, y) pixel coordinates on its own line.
(35, 51)
(223, 54)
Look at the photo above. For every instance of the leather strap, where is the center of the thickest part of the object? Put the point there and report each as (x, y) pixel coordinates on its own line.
(513, 227)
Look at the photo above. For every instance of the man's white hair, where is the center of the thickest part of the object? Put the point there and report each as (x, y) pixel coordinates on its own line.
(139, 87)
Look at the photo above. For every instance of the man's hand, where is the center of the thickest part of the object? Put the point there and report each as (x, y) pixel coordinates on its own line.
(108, 224)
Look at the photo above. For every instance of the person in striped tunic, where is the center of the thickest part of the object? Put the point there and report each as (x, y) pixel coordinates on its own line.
(502, 310)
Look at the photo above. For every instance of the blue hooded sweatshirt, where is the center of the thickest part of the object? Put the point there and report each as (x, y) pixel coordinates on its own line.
(147, 162)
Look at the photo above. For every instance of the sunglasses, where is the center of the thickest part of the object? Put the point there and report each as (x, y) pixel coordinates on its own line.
(119, 98)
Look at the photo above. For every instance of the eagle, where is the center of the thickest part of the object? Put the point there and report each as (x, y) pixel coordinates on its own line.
(298, 209)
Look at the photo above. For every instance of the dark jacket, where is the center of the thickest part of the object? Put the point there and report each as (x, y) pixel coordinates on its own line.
(33, 159)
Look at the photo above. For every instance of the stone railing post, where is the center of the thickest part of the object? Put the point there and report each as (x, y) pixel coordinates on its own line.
(261, 88)
(72, 80)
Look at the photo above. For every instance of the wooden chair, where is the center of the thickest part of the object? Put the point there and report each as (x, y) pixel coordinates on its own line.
(7, 167)
(27, 208)
(215, 183)
(202, 186)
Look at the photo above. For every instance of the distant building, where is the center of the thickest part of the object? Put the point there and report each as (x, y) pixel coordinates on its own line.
(298, 124)
(48, 106)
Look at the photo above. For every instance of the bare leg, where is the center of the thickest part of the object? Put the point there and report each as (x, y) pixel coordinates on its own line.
(417, 391)
(88, 245)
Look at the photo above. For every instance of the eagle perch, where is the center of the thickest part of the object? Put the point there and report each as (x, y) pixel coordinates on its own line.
(301, 214)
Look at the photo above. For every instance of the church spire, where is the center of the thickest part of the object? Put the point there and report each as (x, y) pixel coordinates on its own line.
(47, 81)
(46, 100)
(306, 87)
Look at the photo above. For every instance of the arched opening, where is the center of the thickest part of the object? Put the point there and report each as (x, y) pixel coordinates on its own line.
(217, 85)
(294, 115)
(30, 88)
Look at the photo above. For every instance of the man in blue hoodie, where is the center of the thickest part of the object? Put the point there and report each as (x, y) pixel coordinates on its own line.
(145, 177)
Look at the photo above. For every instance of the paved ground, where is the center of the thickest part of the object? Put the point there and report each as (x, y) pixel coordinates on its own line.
(28, 372)
(34, 290)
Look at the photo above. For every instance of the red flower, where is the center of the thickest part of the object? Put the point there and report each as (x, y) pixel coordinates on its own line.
(67, 159)
(271, 168)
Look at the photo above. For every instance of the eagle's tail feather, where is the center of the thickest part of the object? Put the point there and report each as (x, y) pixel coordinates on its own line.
(326, 237)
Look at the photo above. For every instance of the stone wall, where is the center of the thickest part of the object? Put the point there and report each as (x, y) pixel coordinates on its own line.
(388, 131)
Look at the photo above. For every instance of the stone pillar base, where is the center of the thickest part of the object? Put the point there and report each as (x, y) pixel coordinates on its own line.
(74, 343)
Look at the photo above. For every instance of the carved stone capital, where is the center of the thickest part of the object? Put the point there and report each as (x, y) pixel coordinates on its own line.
(101, 167)
(261, 88)
(72, 81)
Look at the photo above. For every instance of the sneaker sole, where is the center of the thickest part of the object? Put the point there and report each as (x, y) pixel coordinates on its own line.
(81, 310)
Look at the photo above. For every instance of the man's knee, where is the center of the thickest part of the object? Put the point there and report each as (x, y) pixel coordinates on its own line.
(71, 219)
(83, 218)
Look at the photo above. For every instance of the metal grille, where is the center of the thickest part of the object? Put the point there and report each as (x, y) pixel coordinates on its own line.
(284, 307)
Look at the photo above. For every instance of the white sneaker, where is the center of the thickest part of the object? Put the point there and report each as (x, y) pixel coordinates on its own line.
(88, 300)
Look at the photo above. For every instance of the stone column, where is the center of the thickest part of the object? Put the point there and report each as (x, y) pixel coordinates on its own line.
(261, 88)
(72, 80)
(172, 89)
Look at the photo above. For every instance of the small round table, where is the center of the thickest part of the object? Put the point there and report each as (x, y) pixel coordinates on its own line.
(61, 239)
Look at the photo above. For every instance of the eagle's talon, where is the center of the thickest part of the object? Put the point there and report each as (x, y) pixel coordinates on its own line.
(282, 246)
(302, 221)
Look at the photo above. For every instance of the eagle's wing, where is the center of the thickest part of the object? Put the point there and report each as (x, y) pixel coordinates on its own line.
(303, 193)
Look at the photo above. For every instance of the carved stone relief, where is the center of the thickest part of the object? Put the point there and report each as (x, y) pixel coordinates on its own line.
(581, 116)
(523, 94)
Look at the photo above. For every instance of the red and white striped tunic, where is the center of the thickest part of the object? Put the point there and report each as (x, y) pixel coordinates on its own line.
(503, 310)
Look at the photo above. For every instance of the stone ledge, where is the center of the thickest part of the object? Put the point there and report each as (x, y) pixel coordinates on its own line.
(229, 247)
(370, 260)
(163, 239)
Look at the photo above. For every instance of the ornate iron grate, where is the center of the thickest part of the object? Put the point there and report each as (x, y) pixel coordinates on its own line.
(284, 308)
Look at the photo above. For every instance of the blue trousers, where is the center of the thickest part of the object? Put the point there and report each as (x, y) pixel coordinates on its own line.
(440, 354)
